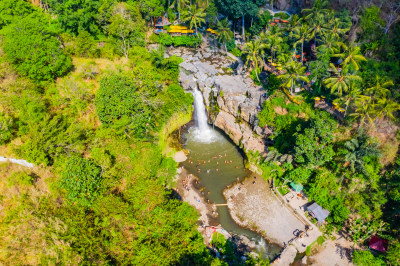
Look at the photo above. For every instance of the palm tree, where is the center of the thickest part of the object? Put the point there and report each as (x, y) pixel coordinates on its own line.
(330, 43)
(335, 29)
(224, 33)
(272, 39)
(273, 43)
(351, 56)
(318, 7)
(295, 73)
(195, 15)
(158, 56)
(180, 4)
(317, 23)
(303, 34)
(358, 148)
(254, 51)
(353, 94)
(364, 109)
(380, 88)
(340, 81)
(202, 3)
(385, 107)
(283, 58)
(294, 22)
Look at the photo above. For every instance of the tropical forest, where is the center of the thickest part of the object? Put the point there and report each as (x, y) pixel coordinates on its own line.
(200, 132)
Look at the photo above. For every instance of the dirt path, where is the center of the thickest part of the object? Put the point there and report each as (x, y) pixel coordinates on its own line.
(17, 161)
(334, 253)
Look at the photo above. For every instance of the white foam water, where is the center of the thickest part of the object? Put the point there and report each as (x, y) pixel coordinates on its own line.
(202, 132)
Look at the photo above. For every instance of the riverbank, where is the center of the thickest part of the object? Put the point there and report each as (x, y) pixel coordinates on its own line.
(190, 191)
(187, 187)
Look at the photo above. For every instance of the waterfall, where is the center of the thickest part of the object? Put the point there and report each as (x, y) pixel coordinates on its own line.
(203, 131)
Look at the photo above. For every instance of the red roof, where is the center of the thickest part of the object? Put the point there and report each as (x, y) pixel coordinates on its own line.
(378, 244)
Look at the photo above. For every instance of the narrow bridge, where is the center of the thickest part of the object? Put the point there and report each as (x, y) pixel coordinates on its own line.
(224, 204)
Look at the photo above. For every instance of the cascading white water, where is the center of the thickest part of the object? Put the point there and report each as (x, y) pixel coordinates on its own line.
(203, 131)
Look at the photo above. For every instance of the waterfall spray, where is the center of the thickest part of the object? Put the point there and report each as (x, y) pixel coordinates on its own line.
(203, 131)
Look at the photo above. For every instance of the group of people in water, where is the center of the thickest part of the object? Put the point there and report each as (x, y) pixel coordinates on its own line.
(202, 162)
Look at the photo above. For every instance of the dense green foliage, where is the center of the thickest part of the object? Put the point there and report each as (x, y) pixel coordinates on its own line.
(85, 101)
(14, 10)
(82, 180)
(35, 50)
(103, 194)
(120, 105)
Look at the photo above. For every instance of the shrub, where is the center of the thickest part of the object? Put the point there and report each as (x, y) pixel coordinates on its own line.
(253, 76)
(6, 128)
(236, 52)
(34, 50)
(168, 40)
(120, 105)
(49, 139)
(82, 180)
(365, 258)
(281, 15)
(230, 45)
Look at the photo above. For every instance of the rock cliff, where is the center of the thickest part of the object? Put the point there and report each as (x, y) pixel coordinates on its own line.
(239, 100)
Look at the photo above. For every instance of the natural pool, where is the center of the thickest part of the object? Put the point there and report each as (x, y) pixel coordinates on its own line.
(218, 163)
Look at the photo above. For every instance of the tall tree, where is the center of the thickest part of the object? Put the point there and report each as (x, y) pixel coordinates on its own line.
(180, 5)
(318, 7)
(330, 43)
(195, 16)
(34, 49)
(351, 55)
(126, 26)
(236, 9)
(224, 33)
(295, 73)
(380, 89)
(302, 33)
(318, 26)
(359, 147)
(254, 52)
(334, 26)
(341, 80)
(313, 145)
(353, 93)
(273, 40)
(364, 110)
(385, 108)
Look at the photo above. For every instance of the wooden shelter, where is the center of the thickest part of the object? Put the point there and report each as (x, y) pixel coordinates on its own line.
(160, 23)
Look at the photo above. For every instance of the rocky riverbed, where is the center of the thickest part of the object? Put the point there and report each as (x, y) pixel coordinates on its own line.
(238, 99)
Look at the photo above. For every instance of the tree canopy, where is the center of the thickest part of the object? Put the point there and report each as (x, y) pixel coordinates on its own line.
(35, 50)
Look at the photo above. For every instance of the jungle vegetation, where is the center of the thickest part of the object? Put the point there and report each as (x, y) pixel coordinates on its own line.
(83, 98)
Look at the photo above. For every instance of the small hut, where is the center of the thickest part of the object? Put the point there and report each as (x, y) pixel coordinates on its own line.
(317, 212)
(160, 23)
(296, 187)
(378, 244)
